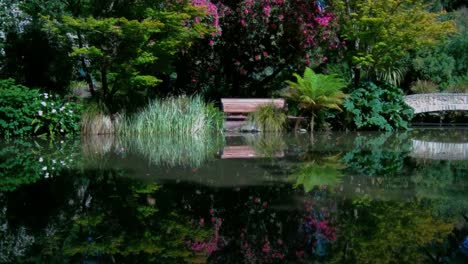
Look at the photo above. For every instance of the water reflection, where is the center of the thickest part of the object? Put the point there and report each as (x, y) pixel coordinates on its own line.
(338, 198)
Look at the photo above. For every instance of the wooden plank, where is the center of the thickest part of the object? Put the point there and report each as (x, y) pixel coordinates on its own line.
(244, 152)
(248, 105)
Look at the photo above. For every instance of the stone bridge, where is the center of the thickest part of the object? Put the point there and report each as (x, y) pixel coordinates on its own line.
(422, 103)
(439, 150)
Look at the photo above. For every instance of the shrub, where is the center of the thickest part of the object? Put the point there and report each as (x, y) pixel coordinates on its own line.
(422, 86)
(434, 65)
(26, 111)
(458, 85)
(269, 118)
(381, 108)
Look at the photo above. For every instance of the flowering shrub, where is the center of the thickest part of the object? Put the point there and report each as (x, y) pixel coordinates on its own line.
(26, 111)
(256, 43)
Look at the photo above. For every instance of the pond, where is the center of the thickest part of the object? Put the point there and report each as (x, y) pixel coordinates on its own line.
(245, 198)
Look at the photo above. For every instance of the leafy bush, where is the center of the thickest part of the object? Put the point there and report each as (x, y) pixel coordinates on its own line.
(269, 118)
(434, 65)
(381, 108)
(458, 85)
(422, 86)
(26, 111)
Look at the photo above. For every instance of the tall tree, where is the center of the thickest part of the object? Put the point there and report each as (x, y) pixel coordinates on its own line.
(381, 32)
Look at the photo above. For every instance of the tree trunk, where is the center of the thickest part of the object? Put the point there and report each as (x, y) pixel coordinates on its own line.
(312, 123)
(88, 77)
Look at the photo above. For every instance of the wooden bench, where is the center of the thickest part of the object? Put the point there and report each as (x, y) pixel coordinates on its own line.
(237, 109)
(245, 152)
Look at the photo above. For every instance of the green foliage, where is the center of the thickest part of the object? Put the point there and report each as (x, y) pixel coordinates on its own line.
(458, 85)
(434, 65)
(383, 108)
(421, 86)
(380, 33)
(314, 92)
(128, 56)
(269, 118)
(26, 111)
(174, 117)
(457, 45)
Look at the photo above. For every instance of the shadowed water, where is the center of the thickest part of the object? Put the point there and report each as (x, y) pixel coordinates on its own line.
(246, 198)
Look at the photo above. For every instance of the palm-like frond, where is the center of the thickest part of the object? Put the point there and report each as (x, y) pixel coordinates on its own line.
(316, 91)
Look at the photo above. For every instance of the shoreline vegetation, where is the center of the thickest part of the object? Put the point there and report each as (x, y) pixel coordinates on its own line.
(150, 70)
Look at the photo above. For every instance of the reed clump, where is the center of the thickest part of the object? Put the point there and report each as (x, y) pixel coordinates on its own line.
(174, 117)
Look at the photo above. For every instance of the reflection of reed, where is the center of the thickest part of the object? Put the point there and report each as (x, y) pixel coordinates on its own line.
(99, 145)
(267, 144)
(187, 151)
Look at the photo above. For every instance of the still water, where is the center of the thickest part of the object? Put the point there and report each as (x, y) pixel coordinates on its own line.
(331, 198)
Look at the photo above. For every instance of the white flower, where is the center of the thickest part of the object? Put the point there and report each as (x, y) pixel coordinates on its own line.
(39, 113)
(61, 130)
(54, 111)
(61, 142)
(41, 159)
(46, 175)
(53, 161)
(44, 103)
(61, 108)
(44, 168)
(70, 111)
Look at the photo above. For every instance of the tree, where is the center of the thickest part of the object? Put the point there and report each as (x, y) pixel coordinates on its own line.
(315, 92)
(121, 58)
(380, 33)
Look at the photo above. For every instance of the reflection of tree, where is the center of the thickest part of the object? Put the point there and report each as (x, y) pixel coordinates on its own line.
(387, 232)
(108, 217)
(378, 156)
(319, 172)
(443, 182)
(24, 162)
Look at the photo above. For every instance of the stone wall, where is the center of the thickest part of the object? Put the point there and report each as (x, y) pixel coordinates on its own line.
(422, 103)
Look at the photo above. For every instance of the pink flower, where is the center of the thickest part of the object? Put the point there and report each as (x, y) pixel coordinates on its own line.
(281, 17)
(323, 21)
(267, 10)
(265, 54)
(211, 42)
(324, 59)
(242, 22)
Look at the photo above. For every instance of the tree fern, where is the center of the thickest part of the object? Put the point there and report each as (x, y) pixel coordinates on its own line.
(314, 92)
